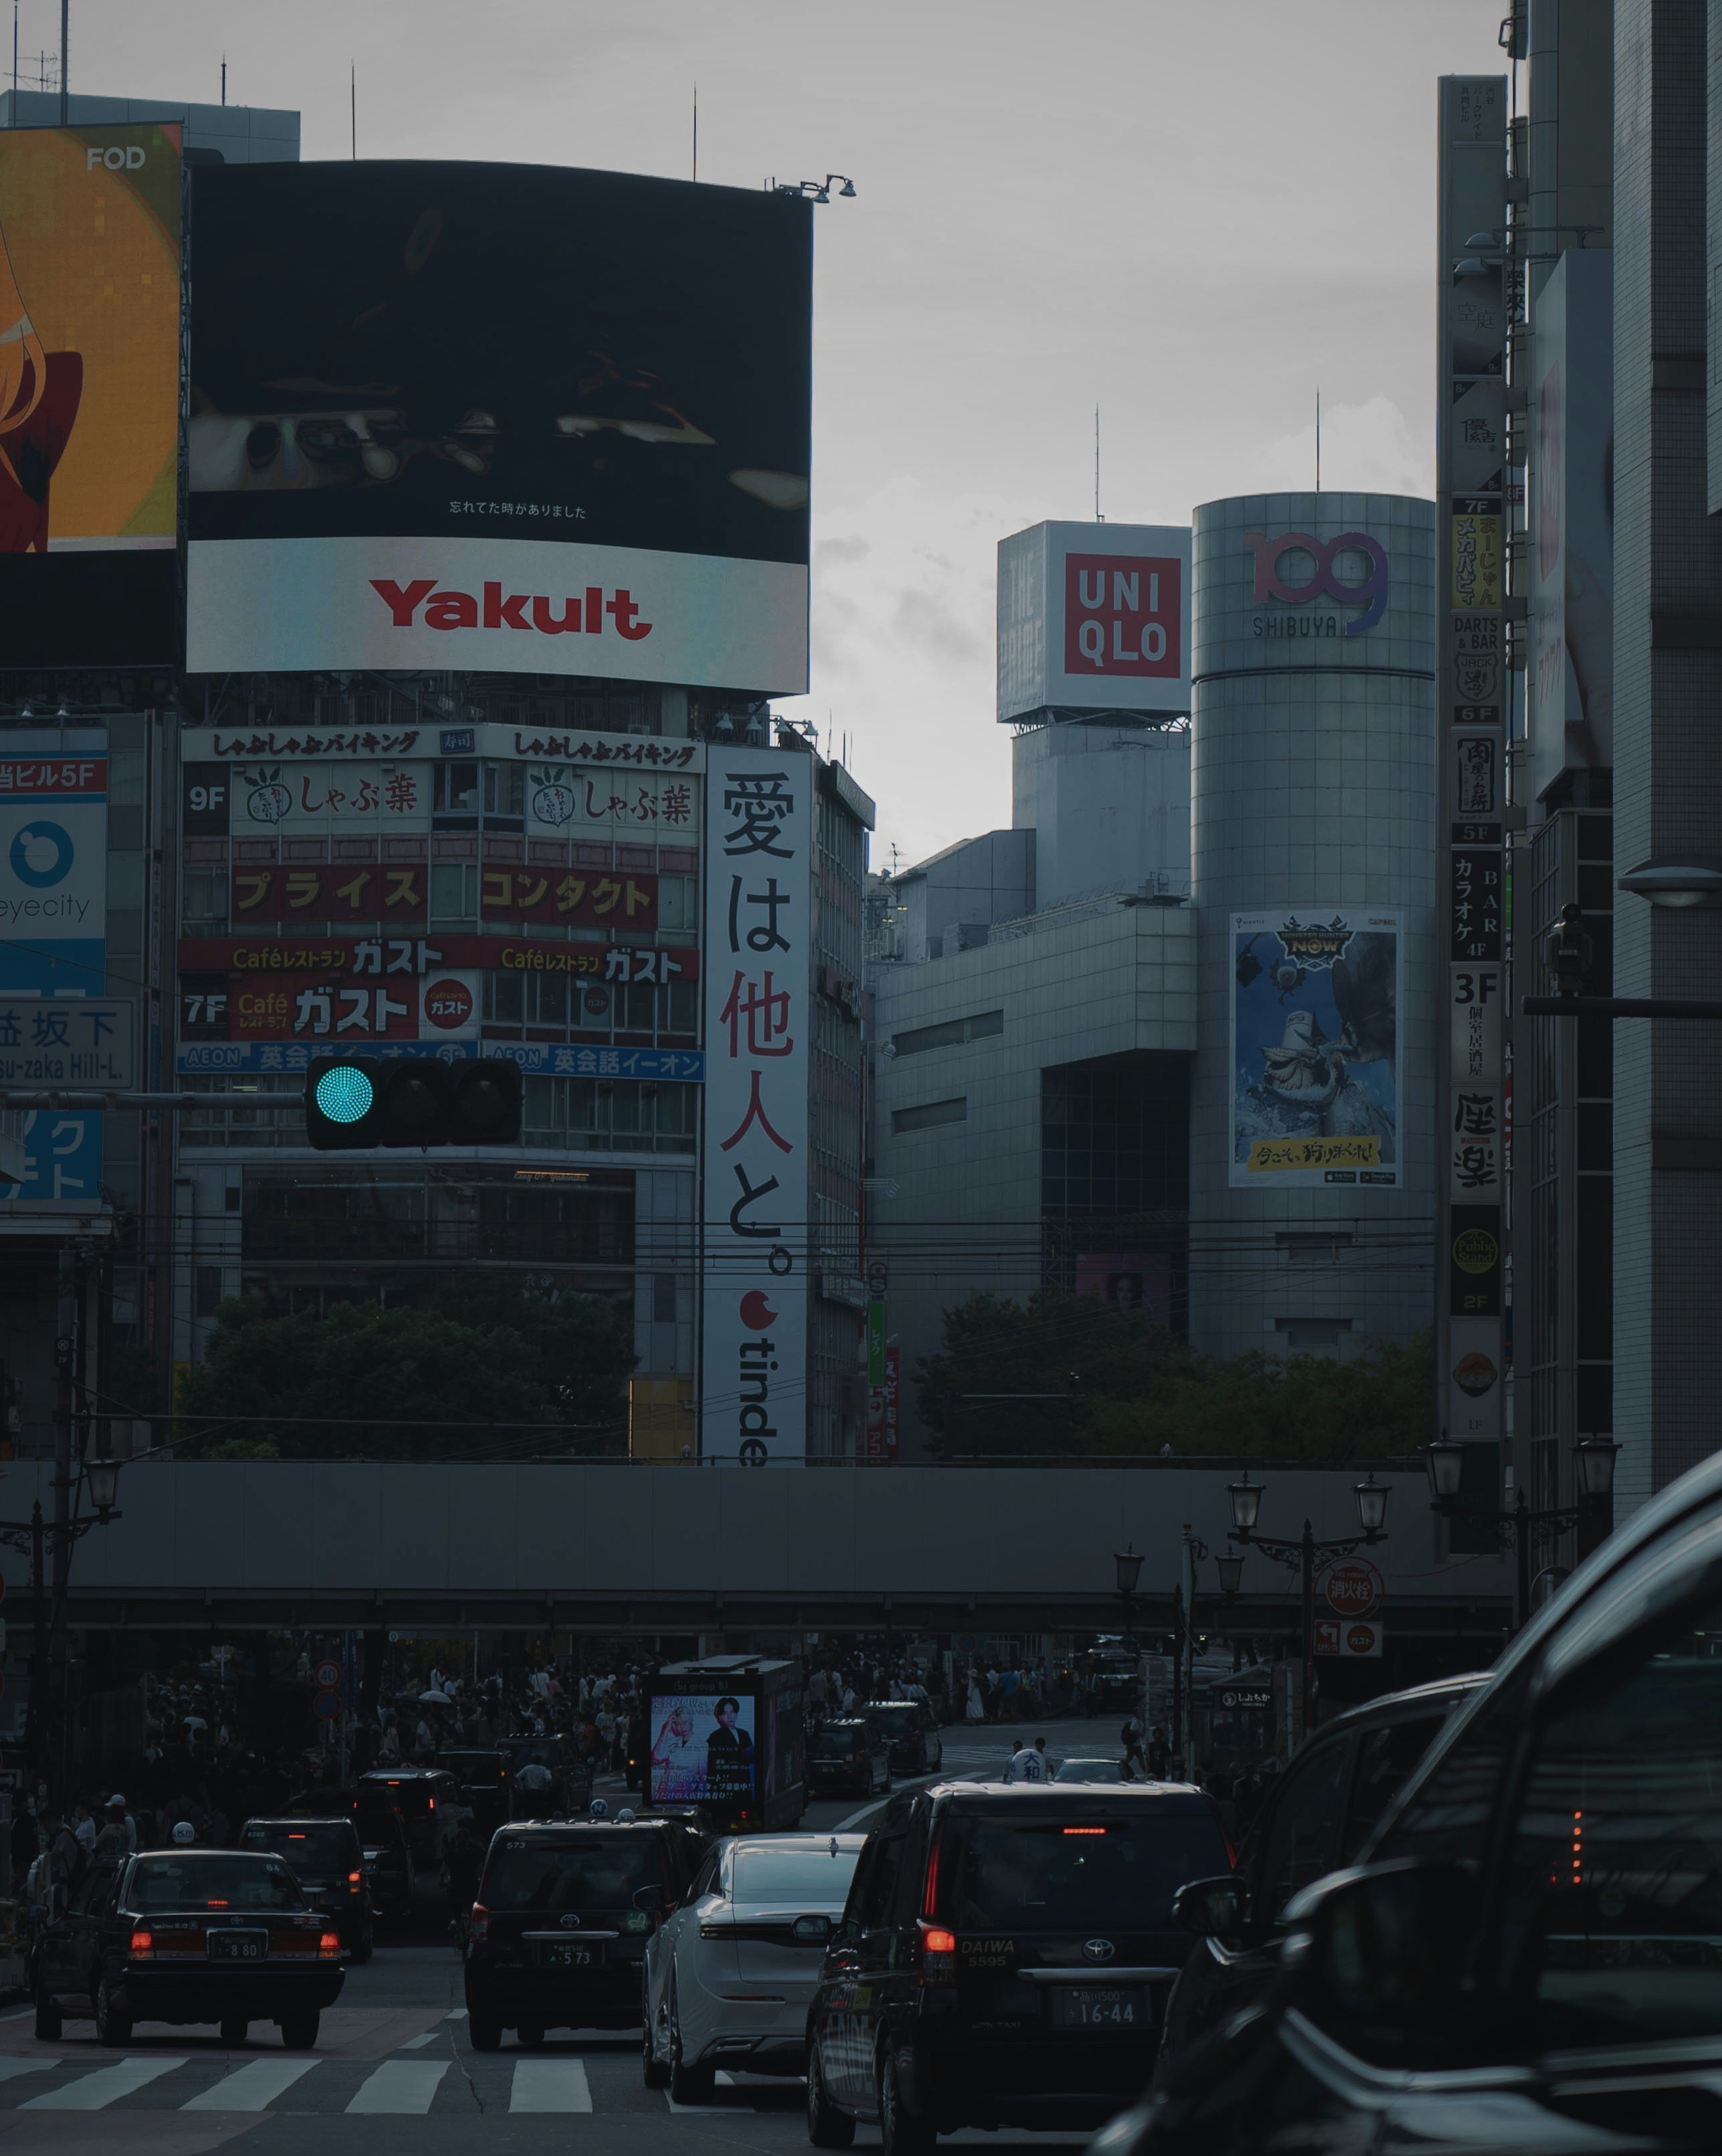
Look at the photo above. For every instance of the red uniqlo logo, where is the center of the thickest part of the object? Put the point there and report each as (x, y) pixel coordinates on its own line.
(1121, 614)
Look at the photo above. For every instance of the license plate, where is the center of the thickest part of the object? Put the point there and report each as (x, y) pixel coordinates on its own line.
(237, 1946)
(569, 1953)
(1075, 2007)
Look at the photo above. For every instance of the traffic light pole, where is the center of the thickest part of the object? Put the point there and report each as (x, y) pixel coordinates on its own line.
(164, 1102)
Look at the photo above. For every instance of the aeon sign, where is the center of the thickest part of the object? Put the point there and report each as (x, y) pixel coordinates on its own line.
(1121, 614)
(1296, 567)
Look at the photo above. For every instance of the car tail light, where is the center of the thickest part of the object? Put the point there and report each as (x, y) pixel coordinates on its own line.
(938, 1954)
(328, 1945)
(478, 1924)
(143, 1946)
(433, 1804)
(355, 1880)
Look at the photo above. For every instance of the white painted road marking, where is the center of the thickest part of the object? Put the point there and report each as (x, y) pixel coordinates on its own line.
(252, 2087)
(550, 2085)
(400, 2086)
(106, 2084)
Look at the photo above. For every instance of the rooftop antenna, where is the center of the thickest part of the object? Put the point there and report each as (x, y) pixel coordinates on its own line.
(1318, 438)
(66, 33)
(353, 89)
(14, 63)
(223, 79)
(1099, 518)
(697, 130)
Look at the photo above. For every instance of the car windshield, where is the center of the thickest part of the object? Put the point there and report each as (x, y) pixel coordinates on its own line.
(1090, 1770)
(597, 1874)
(480, 1770)
(415, 1799)
(534, 1751)
(809, 1878)
(1079, 1874)
(305, 1848)
(839, 1744)
(893, 1720)
(215, 1881)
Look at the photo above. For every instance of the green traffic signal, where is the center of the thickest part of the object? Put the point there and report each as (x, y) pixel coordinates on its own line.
(356, 1103)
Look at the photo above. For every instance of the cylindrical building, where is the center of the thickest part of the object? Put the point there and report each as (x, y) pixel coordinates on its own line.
(1314, 788)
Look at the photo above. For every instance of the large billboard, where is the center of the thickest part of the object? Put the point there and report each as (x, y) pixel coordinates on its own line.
(1315, 1096)
(1094, 617)
(702, 1751)
(759, 831)
(514, 418)
(90, 341)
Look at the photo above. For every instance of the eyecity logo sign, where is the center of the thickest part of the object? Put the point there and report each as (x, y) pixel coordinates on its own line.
(1323, 579)
(42, 855)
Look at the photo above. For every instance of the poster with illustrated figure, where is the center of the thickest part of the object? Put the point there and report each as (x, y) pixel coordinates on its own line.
(1315, 1047)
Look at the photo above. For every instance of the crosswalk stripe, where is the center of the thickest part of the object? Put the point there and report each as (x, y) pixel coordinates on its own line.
(400, 2086)
(252, 2087)
(10, 2069)
(550, 2085)
(106, 2084)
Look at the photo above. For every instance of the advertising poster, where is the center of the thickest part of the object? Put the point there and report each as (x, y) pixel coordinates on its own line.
(702, 1748)
(524, 418)
(1128, 1280)
(89, 263)
(1315, 1047)
(759, 828)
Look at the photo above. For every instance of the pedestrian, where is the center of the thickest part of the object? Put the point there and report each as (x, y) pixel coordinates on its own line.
(1159, 1754)
(113, 1842)
(975, 1708)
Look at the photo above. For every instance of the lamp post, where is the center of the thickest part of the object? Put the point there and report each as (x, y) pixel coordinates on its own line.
(34, 1537)
(1306, 1555)
(1593, 1466)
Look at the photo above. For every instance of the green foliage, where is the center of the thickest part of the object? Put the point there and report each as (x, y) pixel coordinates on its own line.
(488, 1349)
(1122, 1384)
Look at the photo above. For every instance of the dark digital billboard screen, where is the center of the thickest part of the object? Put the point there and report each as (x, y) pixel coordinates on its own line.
(507, 417)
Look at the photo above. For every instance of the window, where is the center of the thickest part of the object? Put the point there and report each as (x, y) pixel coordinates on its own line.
(951, 1034)
(456, 789)
(454, 890)
(1115, 1135)
(599, 1875)
(663, 1298)
(1611, 1930)
(204, 892)
(503, 782)
(1305, 1336)
(1006, 1876)
(1312, 1249)
(1384, 1760)
(208, 1290)
(1447, 1813)
(1303, 1832)
(504, 998)
(678, 902)
(926, 1118)
(878, 1888)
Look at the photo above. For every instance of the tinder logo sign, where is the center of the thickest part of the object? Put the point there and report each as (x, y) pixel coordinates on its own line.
(1121, 614)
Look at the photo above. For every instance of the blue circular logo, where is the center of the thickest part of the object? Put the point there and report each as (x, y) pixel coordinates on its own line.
(27, 849)
(344, 1094)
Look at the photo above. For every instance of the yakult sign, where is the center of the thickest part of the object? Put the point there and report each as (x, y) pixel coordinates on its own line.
(759, 823)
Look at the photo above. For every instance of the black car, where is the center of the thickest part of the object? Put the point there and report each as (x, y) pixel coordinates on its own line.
(556, 1937)
(481, 1778)
(389, 1870)
(1004, 1959)
(849, 1756)
(426, 1799)
(1318, 1815)
(1527, 1954)
(911, 1734)
(325, 1857)
(188, 1935)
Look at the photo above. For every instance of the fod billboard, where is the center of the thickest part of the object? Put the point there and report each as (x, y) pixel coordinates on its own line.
(1315, 1047)
(702, 1750)
(1094, 617)
(89, 256)
(512, 418)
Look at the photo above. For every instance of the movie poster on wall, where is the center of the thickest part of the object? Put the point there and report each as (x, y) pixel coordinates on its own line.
(1315, 1096)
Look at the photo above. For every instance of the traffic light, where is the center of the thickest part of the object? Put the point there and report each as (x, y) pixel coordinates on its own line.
(354, 1103)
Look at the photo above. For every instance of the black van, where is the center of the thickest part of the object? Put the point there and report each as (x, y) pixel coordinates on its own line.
(556, 1937)
(1004, 1959)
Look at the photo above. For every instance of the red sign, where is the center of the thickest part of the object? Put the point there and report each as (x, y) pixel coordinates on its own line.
(55, 774)
(591, 898)
(891, 1388)
(1348, 1641)
(352, 891)
(1353, 1588)
(388, 957)
(1121, 614)
(448, 1005)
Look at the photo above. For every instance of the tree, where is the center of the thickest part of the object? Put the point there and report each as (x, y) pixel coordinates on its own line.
(487, 1350)
(1112, 1381)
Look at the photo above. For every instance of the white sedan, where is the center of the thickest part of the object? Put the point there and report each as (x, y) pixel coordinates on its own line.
(730, 1974)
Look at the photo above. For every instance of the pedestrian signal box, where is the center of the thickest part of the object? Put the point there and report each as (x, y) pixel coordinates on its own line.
(355, 1103)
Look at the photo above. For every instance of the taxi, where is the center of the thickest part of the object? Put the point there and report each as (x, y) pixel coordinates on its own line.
(186, 1936)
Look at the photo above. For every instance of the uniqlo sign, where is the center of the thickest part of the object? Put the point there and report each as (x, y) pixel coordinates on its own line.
(1123, 615)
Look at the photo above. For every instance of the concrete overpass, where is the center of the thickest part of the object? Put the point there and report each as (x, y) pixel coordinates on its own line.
(647, 1547)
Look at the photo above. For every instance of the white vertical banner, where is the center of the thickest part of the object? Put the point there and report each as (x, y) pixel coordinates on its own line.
(757, 965)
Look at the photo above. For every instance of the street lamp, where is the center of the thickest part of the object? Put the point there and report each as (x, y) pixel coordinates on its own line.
(101, 1478)
(1593, 1457)
(1445, 1460)
(1593, 1474)
(1306, 1554)
(1231, 1569)
(1129, 1561)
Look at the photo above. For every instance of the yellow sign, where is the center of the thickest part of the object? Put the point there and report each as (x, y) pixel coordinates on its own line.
(1272, 1156)
(90, 223)
(1477, 563)
(1475, 1251)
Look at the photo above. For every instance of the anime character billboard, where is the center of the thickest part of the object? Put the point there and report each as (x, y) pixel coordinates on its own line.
(1314, 1049)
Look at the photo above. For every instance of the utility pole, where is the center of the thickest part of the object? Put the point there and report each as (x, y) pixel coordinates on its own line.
(1186, 1659)
(66, 33)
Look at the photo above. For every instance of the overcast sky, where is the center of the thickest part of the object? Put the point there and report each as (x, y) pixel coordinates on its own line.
(1192, 214)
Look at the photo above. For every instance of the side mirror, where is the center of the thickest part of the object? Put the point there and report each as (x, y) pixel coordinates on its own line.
(1211, 1908)
(647, 1898)
(1384, 1952)
(812, 1931)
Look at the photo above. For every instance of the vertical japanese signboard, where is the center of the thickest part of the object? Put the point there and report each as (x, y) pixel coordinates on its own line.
(1473, 708)
(759, 830)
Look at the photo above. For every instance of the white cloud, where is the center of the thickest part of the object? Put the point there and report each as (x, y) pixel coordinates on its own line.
(1369, 448)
